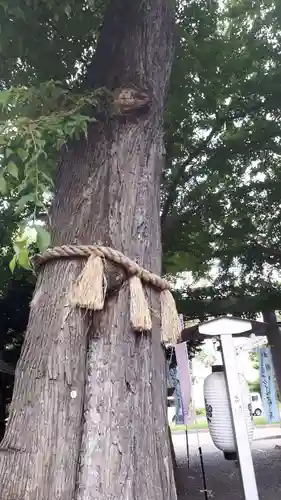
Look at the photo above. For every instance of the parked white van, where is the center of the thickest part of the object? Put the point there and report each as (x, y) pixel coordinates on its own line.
(257, 408)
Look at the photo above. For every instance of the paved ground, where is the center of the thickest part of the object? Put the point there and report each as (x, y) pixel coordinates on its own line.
(222, 477)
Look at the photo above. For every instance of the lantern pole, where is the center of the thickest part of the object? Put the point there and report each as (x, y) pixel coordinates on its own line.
(225, 328)
(238, 420)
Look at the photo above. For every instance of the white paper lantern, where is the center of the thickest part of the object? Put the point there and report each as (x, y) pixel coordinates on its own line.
(218, 411)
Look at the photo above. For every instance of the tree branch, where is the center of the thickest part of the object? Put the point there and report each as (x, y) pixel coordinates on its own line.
(180, 172)
(238, 114)
(245, 304)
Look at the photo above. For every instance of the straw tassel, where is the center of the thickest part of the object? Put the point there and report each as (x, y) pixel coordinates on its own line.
(139, 311)
(170, 323)
(88, 292)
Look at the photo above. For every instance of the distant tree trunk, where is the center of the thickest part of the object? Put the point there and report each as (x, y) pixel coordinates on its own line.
(88, 417)
(274, 340)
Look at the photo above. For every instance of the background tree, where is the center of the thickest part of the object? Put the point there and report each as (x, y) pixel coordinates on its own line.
(220, 201)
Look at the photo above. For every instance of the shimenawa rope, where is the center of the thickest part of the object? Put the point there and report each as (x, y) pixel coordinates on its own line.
(89, 290)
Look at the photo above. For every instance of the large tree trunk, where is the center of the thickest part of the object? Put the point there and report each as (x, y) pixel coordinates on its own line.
(274, 341)
(88, 416)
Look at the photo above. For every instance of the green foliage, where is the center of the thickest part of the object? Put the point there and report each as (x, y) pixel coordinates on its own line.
(36, 123)
(221, 188)
(15, 296)
(15, 290)
(23, 243)
(45, 48)
(200, 412)
(47, 40)
(254, 386)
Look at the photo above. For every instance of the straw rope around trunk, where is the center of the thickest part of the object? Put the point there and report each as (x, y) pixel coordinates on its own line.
(89, 290)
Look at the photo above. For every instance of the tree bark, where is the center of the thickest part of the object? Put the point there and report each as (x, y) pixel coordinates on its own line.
(88, 417)
(274, 341)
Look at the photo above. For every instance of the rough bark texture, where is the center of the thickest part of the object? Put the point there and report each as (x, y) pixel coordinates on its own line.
(274, 341)
(88, 416)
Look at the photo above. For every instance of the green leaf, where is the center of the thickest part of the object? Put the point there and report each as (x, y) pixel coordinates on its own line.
(4, 97)
(23, 201)
(19, 245)
(28, 236)
(13, 263)
(67, 10)
(43, 238)
(22, 153)
(9, 152)
(21, 253)
(13, 170)
(3, 185)
(23, 258)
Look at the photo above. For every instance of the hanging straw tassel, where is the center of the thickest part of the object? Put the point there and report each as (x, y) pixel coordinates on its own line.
(139, 311)
(170, 323)
(89, 290)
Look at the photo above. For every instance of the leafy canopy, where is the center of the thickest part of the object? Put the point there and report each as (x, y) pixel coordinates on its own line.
(45, 48)
(221, 188)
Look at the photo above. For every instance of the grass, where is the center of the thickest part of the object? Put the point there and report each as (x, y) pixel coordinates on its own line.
(202, 424)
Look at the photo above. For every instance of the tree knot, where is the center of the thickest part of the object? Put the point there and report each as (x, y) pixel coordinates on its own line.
(130, 98)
